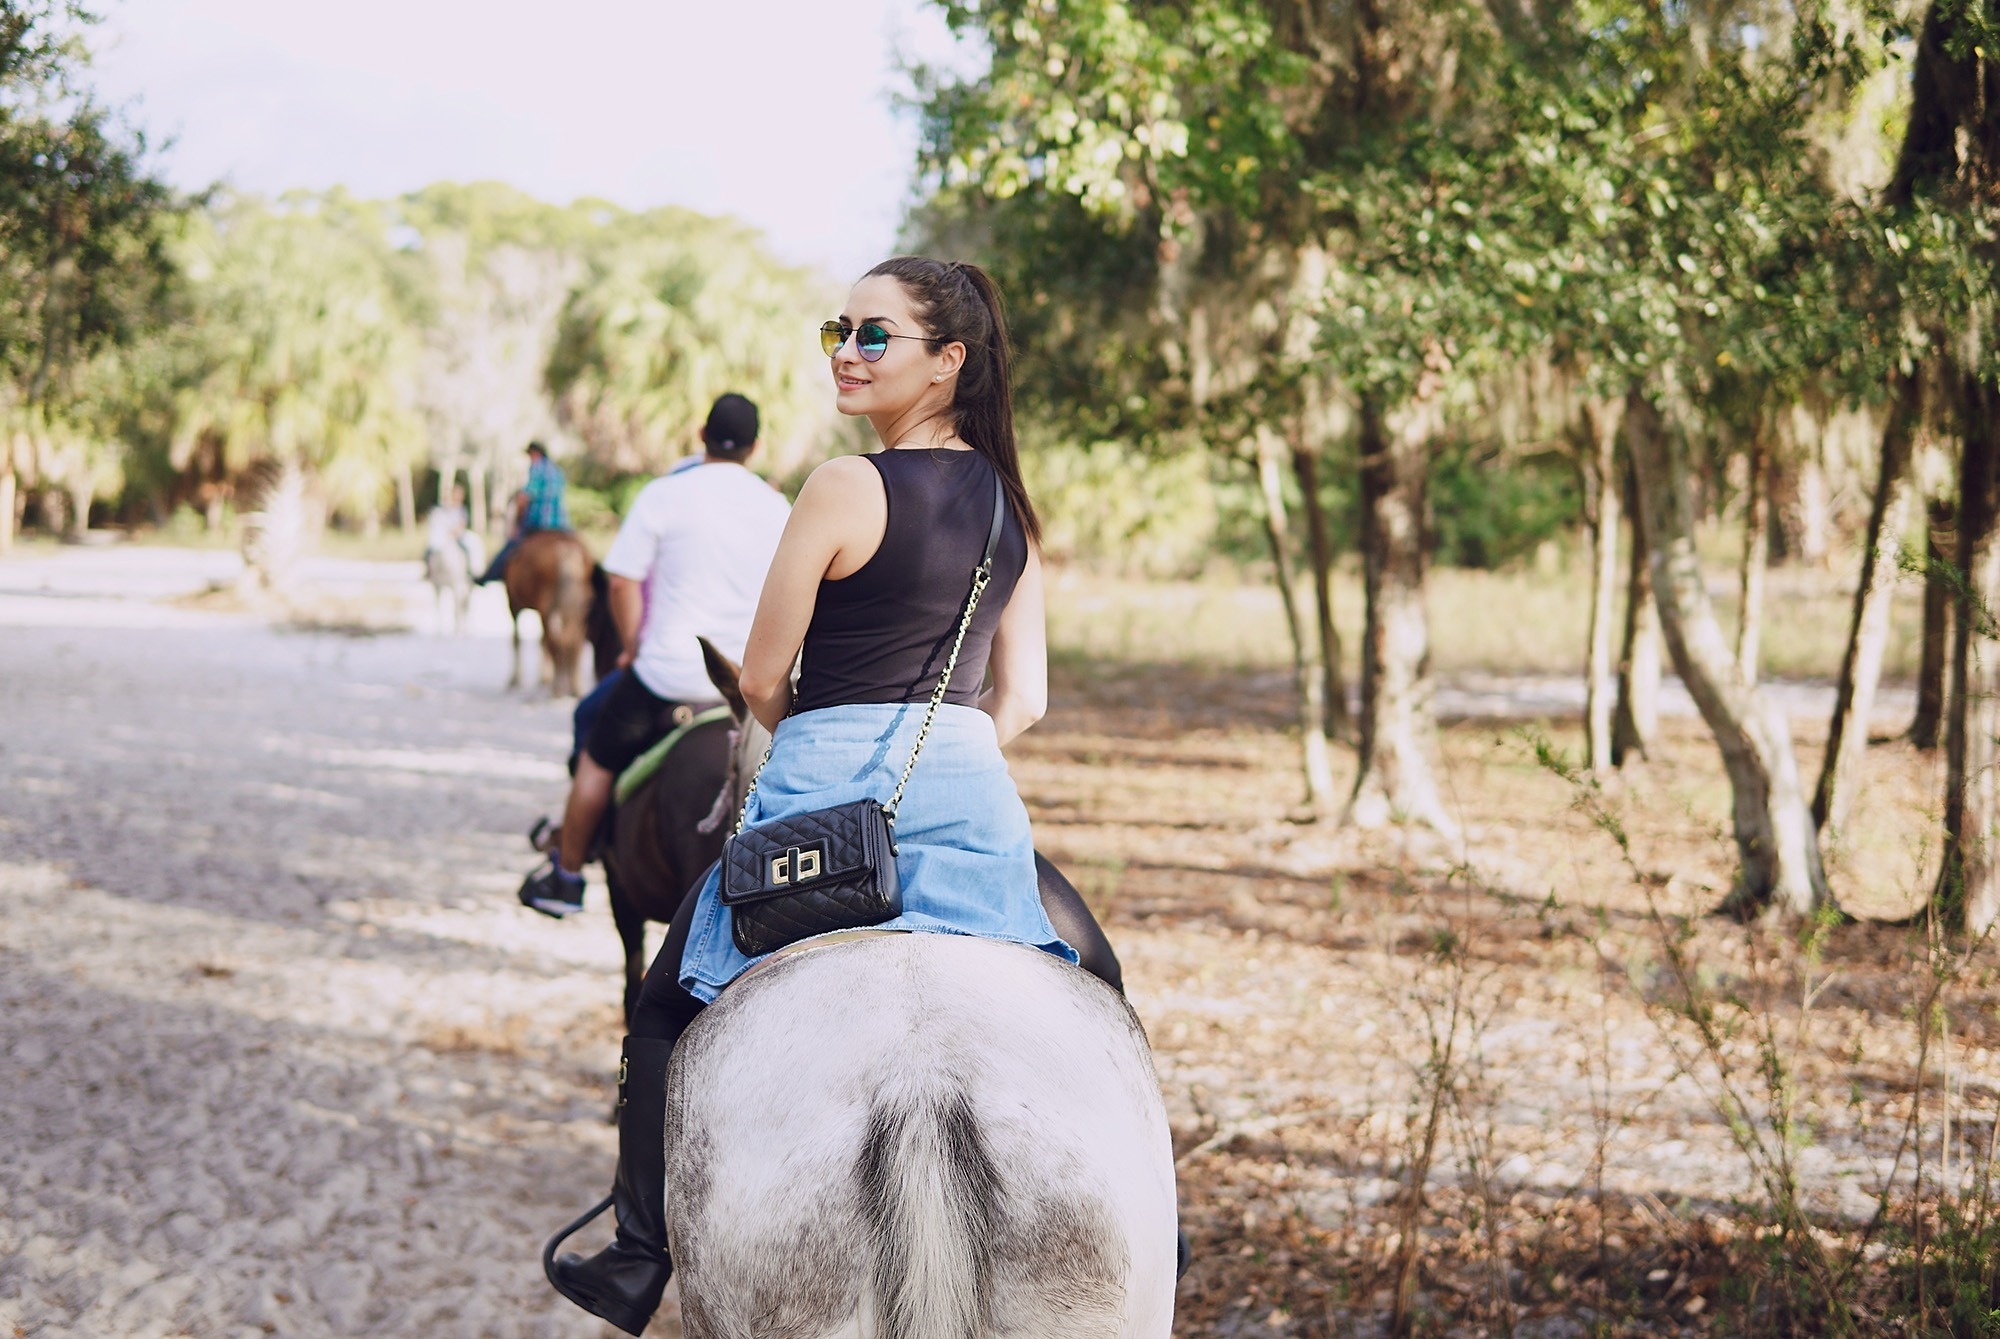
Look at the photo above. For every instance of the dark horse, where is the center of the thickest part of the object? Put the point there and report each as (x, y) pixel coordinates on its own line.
(666, 834)
(552, 573)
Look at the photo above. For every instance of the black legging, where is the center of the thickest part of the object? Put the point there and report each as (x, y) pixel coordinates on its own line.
(664, 1009)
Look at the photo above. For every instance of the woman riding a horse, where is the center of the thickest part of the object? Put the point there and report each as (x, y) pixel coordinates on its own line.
(866, 593)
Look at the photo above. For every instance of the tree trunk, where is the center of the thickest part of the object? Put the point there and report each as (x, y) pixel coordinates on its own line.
(1968, 888)
(1756, 555)
(7, 510)
(1813, 511)
(1339, 725)
(1307, 673)
(406, 498)
(475, 496)
(1941, 540)
(81, 495)
(1776, 842)
(1398, 730)
(1868, 634)
(54, 508)
(1637, 718)
(1601, 417)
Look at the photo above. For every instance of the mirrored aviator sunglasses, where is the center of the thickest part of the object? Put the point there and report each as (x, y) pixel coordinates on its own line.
(871, 341)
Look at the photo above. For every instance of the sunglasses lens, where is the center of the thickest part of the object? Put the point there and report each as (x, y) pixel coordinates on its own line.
(872, 341)
(832, 335)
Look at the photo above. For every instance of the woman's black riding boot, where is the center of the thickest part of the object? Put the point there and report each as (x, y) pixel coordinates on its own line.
(622, 1283)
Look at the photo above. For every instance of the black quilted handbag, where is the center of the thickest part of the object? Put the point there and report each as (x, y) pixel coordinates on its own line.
(832, 869)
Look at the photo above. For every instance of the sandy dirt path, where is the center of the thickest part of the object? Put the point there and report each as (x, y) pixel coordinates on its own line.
(281, 1054)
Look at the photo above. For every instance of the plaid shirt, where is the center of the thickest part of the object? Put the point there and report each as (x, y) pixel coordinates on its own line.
(545, 509)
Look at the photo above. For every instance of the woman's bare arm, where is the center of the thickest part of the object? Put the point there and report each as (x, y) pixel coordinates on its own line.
(835, 527)
(1020, 659)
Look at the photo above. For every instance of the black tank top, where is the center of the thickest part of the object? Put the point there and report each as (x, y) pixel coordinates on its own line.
(884, 632)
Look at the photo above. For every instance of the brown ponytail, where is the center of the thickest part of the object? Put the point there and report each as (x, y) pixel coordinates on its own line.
(959, 301)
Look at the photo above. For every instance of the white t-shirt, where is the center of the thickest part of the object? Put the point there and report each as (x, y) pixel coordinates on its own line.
(701, 540)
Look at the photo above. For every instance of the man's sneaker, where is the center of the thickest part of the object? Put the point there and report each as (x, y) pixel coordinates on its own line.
(553, 891)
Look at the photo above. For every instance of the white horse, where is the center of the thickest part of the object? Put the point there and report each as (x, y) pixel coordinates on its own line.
(449, 569)
(919, 1136)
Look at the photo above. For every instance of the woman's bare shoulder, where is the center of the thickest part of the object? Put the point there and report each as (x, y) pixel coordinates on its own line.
(842, 481)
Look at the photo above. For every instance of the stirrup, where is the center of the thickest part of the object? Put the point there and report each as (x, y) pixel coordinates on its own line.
(549, 1247)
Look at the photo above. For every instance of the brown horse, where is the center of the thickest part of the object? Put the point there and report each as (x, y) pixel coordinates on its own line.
(550, 573)
(667, 834)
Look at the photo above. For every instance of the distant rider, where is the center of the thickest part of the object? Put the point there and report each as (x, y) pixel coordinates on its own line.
(688, 562)
(445, 528)
(539, 505)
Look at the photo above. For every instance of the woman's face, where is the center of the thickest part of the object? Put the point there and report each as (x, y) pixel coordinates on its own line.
(907, 372)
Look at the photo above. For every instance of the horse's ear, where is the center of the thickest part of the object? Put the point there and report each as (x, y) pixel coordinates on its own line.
(724, 673)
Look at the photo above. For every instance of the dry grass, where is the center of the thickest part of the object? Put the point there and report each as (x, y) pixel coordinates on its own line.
(1296, 979)
(1515, 622)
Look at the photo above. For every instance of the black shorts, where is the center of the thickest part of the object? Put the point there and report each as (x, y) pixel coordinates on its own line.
(633, 720)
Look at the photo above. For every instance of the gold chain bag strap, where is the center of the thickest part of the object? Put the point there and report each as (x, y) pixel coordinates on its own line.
(832, 869)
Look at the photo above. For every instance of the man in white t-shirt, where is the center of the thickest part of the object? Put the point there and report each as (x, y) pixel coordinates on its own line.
(689, 562)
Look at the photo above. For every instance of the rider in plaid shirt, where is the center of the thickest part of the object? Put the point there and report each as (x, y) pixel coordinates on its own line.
(542, 506)
(538, 506)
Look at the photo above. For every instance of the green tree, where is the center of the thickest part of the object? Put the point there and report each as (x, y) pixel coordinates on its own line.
(672, 309)
(300, 362)
(1947, 184)
(1131, 172)
(82, 245)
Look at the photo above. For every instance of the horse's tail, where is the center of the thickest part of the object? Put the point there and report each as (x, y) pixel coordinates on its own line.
(930, 1194)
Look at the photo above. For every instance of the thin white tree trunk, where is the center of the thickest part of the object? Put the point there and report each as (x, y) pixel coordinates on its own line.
(1602, 418)
(1941, 540)
(1307, 670)
(1756, 556)
(1969, 882)
(1776, 841)
(81, 495)
(406, 498)
(7, 510)
(1637, 719)
(1320, 548)
(1398, 729)
(1813, 507)
(1868, 635)
(475, 494)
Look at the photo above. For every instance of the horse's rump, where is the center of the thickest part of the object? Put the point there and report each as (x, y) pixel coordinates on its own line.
(550, 573)
(920, 1136)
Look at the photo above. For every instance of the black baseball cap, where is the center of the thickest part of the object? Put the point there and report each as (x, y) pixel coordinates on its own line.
(732, 425)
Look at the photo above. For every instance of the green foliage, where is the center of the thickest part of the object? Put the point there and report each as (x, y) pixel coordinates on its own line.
(1110, 506)
(673, 310)
(298, 346)
(82, 221)
(1490, 512)
(591, 509)
(359, 339)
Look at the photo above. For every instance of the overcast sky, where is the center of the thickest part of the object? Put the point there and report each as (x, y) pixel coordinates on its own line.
(777, 111)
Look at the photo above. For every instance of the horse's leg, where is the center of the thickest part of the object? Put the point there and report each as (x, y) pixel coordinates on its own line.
(567, 670)
(514, 618)
(631, 934)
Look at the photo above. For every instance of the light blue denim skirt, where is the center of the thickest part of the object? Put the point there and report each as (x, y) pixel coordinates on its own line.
(966, 858)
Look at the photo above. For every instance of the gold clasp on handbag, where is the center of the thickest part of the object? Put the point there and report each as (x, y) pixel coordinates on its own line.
(795, 865)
